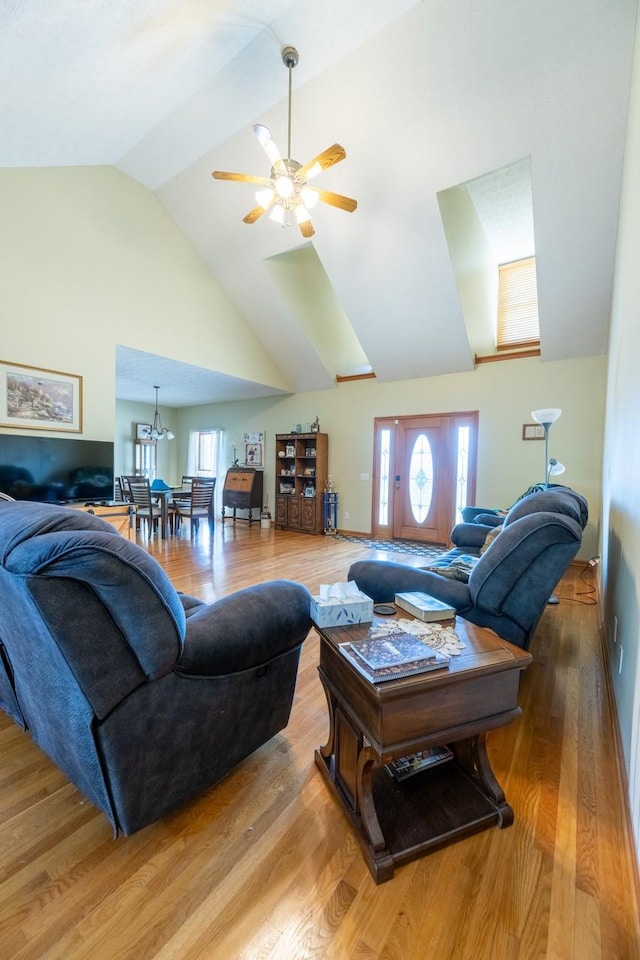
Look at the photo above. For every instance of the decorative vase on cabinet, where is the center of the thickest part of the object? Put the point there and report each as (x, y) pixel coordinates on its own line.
(301, 474)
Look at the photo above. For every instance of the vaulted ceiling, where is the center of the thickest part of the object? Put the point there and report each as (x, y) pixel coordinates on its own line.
(424, 96)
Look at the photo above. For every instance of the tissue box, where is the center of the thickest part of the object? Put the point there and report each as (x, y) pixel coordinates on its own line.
(340, 613)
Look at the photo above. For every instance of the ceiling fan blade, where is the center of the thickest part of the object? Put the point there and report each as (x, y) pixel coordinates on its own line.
(336, 200)
(306, 228)
(254, 215)
(323, 161)
(268, 145)
(242, 177)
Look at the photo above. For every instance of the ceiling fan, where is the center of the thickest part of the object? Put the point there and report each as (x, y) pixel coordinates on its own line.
(286, 192)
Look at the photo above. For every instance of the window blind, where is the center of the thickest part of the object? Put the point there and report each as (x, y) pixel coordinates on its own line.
(517, 304)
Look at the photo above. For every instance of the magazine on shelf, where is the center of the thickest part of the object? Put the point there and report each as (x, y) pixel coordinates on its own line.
(405, 767)
(424, 607)
(393, 656)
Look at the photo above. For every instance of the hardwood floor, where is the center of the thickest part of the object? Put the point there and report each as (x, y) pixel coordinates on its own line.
(264, 865)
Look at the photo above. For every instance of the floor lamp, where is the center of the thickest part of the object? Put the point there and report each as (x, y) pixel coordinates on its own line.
(545, 418)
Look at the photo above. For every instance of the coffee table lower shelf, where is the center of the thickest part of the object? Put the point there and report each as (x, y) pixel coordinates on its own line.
(419, 815)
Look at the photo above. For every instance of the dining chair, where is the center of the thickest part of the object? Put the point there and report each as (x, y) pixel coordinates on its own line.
(199, 505)
(119, 494)
(146, 509)
(124, 484)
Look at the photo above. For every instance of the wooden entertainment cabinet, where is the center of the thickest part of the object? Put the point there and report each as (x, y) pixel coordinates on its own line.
(301, 476)
(119, 515)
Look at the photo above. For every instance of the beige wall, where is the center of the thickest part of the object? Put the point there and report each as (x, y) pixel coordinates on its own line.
(621, 475)
(90, 259)
(503, 393)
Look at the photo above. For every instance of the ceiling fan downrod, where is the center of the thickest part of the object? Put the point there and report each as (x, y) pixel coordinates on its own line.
(290, 57)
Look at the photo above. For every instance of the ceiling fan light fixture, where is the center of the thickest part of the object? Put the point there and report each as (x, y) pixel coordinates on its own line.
(265, 197)
(277, 214)
(309, 197)
(286, 189)
(302, 214)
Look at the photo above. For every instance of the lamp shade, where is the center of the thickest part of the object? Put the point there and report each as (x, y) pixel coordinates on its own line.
(547, 416)
(555, 468)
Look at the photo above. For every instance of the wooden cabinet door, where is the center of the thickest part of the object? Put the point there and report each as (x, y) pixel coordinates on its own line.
(308, 513)
(295, 513)
(281, 511)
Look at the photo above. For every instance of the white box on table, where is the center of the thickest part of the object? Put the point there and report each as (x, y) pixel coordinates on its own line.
(340, 612)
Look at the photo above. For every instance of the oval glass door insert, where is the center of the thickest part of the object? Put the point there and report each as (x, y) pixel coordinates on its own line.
(421, 478)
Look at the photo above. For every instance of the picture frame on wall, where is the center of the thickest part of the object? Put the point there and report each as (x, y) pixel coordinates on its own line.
(532, 431)
(254, 449)
(143, 431)
(35, 398)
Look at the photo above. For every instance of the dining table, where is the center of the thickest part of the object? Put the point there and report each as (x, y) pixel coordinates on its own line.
(165, 497)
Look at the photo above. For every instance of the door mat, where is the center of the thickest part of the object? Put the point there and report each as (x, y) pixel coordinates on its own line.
(395, 546)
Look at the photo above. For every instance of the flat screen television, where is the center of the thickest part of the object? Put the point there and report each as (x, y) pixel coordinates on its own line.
(56, 469)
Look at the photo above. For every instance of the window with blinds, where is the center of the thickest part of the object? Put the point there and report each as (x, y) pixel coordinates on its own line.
(207, 453)
(518, 324)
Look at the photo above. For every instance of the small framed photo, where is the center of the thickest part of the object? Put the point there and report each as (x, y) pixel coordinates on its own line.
(32, 398)
(532, 431)
(143, 431)
(254, 449)
(253, 454)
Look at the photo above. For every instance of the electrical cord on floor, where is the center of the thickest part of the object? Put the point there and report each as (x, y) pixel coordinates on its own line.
(590, 600)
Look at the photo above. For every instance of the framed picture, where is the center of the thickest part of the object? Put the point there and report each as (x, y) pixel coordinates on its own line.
(36, 399)
(253, 454)
(143, 431)
(532, 431)
(254, 449)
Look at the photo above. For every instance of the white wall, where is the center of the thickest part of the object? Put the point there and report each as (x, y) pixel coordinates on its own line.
(504, 394)
(621, 476)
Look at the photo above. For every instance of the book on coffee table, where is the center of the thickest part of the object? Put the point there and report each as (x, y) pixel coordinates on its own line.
(393, 656)
(424, 607)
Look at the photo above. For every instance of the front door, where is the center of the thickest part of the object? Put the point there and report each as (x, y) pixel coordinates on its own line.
(424, 471)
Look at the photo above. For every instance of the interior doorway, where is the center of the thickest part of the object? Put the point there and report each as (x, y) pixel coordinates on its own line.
(424, 472)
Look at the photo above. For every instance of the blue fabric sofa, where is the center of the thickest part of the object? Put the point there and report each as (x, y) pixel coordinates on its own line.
(495, 576)
(143, 697)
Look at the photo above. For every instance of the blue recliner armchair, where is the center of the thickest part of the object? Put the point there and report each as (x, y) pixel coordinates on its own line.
(494, 578)
(142, 696)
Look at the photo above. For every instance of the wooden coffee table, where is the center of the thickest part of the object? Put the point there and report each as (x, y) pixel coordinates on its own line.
(373, 724)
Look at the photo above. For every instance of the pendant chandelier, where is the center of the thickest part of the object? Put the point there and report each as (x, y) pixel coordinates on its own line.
(157, 431)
